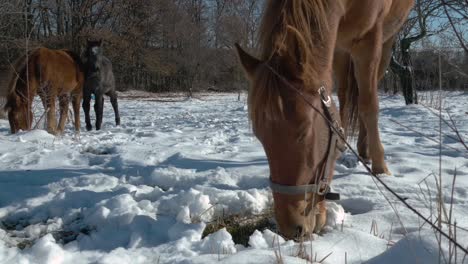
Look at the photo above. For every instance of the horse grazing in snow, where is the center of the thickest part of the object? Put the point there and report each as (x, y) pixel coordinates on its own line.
(292, 114)
(51, 74)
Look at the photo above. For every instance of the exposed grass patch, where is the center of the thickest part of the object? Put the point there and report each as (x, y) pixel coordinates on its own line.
(241, 227)
(19, 239)
(67, 236)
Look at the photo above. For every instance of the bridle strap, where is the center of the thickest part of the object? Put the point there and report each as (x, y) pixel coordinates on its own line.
(295, 189)
(336, 145)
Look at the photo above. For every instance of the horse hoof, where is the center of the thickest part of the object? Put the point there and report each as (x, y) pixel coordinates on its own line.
(89, 128)
(381, 170)
(117, 121)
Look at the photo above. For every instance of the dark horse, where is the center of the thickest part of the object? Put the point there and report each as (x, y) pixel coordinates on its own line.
(50, 74)
(100, 81)
(302, 43)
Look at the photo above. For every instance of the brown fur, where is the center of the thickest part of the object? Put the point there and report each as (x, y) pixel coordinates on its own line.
(51, 74)
(302, 43)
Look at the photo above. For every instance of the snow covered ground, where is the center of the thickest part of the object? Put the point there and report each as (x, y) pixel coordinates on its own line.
(143, 192)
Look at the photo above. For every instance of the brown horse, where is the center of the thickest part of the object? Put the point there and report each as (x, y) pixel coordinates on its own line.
(50, 74)
(302, 42)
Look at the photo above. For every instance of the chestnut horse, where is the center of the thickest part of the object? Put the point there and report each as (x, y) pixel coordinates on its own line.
(50, 74)
(302, 43)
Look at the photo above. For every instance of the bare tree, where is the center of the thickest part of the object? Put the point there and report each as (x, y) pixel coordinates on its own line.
(457, 15)
(416, 28)
(156, 45)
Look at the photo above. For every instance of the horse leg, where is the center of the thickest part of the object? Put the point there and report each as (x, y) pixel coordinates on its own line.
(342, 66)
(366, 55)
(86, 108)
(51, 118)
(48, 101)
(341, 63)
(64, 101)
(99, 109)
(363, 144)
(115, 105)
(386, 57)
(76, 99)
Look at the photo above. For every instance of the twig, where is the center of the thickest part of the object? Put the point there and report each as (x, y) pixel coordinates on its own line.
(39, 121)
(455, 129)
(324, 258)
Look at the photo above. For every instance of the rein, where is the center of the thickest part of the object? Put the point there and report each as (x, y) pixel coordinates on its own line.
(335, 145)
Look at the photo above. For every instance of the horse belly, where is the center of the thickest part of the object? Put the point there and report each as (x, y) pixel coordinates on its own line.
(395, 17)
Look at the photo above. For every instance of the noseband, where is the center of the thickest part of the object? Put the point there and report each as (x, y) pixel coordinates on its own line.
(335, 146)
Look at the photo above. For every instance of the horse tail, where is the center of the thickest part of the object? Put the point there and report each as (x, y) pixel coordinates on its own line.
(13, 99)
(351, 105)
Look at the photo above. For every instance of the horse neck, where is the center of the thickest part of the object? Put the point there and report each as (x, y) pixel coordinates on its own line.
(23, 95)
(93, 66)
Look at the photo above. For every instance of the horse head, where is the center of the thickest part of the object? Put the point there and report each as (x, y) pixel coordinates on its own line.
(93, 54)
(290, 118)
(19, 109)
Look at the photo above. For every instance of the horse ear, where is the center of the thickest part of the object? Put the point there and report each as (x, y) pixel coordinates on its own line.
(100, 42)
(249, 63)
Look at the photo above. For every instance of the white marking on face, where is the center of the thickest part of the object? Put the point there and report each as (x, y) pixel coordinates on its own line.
(94, 50)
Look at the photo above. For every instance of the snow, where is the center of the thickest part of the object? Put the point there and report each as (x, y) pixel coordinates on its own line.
(145, 191)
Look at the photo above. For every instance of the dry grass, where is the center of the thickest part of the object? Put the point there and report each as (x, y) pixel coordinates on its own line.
(438, 211)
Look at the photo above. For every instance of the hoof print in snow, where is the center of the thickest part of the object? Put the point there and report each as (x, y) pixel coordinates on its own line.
(348, 160)
(102, 150)
(357, 206)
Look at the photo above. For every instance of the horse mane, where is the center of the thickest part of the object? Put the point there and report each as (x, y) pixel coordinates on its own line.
(78, 61)
(309, 17)
(290, 34)
(18, 72)
(76, 57)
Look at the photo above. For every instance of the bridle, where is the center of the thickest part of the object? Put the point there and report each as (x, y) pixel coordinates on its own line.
(336, 146)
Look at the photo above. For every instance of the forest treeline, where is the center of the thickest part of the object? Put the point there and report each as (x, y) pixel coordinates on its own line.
(186, 45)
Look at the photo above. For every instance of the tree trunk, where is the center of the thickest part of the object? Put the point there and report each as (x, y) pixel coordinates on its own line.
(406, 80)
(404, 71)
